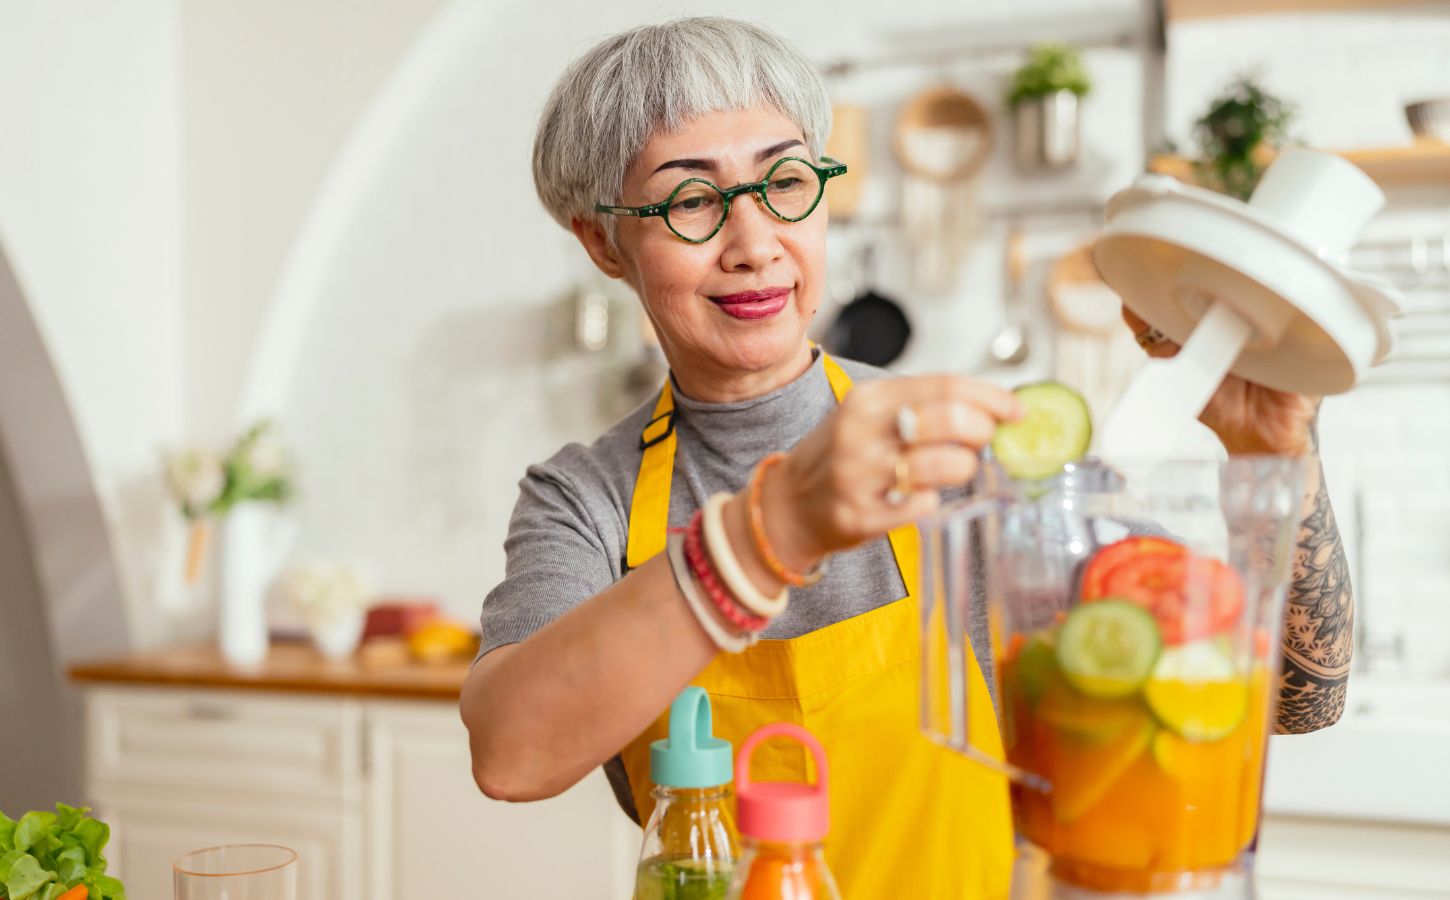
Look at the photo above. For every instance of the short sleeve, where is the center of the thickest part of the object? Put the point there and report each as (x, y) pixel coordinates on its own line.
(556, 559)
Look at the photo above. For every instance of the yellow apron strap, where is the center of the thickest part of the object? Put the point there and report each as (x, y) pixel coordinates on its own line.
(840, 381)
(649, 509)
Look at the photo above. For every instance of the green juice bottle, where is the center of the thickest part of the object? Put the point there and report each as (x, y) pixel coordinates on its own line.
(690, 844)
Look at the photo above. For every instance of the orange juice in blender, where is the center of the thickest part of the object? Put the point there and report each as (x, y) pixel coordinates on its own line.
(1145, 717)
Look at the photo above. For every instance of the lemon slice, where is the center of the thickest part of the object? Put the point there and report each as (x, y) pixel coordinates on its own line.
(1195, 691)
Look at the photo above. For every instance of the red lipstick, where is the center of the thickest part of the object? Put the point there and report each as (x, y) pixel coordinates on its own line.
(757, 304)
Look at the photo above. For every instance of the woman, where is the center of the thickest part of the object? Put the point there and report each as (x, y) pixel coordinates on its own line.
(594, 630)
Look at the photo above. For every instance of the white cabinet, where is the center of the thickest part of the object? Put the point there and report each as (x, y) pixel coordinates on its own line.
(376, 796)
(148, 833)
(1341, 859)
(432, 834)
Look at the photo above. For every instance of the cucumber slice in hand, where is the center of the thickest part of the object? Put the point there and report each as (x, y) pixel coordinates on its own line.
(1055, 431)
(1107, 648)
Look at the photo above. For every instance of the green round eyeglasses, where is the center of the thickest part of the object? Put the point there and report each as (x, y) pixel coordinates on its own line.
(696, 209)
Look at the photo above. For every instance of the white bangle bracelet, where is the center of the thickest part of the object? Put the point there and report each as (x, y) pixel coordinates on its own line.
(728, 567)
(730, 643)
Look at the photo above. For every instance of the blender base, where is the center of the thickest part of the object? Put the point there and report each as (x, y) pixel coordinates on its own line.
(1033, 878)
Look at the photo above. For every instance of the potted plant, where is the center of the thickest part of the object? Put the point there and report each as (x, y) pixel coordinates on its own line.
(1238, 136)
(1045, 99)
(243, 491)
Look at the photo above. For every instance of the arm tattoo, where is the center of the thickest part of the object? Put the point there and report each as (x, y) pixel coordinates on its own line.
(1318, 625)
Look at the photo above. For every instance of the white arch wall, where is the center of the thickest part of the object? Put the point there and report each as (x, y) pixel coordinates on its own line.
(413, 346)
(61, 598)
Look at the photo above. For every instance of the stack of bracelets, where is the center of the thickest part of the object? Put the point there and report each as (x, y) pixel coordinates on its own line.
(710, 575)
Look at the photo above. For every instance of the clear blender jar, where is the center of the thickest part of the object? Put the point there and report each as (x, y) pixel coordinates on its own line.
(1135, 607)
(1134, 616)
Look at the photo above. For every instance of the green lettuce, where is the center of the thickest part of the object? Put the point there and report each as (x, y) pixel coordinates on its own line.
(45, 854)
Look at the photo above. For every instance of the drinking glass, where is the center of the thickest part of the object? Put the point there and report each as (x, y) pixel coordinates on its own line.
(237, 872)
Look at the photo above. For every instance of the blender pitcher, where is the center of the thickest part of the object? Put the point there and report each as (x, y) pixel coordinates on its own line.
(1134, 616)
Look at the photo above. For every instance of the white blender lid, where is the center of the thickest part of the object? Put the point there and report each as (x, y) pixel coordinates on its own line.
(1171, 249)
(1250, 289)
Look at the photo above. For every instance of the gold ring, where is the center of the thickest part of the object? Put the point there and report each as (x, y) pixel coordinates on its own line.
(902, 488)
(1150, 338)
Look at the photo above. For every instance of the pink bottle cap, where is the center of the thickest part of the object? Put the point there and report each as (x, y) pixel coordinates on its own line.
(782, 811)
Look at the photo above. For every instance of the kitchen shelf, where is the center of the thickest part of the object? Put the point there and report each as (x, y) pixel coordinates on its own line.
(1423, 162)
(1182, 10)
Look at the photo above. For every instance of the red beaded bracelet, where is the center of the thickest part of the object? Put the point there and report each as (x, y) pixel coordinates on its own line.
(705, 573)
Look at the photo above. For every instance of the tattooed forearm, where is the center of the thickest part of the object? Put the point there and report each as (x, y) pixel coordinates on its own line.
(1318, 623)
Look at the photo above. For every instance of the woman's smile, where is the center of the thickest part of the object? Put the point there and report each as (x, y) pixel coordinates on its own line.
(752, 305)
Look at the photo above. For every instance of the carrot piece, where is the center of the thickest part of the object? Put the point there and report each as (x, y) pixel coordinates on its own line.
(78, 892)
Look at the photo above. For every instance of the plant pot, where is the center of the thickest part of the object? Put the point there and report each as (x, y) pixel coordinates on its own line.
(1047, 132)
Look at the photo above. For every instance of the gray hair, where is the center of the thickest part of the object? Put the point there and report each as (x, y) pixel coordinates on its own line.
(657, 78)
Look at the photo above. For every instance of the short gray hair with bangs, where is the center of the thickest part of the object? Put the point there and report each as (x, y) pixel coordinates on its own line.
(657, 78)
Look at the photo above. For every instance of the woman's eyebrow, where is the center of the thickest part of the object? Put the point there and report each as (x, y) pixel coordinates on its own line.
(708, 165)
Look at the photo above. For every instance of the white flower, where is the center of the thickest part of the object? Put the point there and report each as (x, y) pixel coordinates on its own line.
(196, 479)
(265, 457)
(323, 592)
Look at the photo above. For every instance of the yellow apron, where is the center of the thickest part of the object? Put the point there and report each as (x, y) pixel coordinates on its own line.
(909, 819)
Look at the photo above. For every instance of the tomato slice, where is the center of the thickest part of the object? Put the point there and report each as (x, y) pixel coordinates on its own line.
(1115, 554)
(1192, 597)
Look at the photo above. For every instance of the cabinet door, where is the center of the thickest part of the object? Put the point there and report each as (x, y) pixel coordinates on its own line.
(1328, 859)
(432, 834)
(148, 834)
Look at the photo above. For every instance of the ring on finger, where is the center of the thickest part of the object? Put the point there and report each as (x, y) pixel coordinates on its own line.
(902, 488)
(908, 425)
(1150, 338)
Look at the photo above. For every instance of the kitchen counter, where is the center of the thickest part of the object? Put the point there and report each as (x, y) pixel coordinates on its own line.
(289, 668)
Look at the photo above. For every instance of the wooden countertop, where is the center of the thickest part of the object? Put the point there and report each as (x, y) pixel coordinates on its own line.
(289, 667)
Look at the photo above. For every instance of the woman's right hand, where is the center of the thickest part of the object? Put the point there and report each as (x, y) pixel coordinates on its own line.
(831, 491)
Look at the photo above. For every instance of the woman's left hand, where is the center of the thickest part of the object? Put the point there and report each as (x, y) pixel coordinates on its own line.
(1248, 418)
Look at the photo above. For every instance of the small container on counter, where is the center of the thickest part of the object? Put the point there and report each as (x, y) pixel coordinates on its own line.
(690, 845)
(783, 825)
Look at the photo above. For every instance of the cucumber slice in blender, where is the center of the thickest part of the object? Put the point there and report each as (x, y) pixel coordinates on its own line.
(1195, 691)
(1107, 648)
(1036, 666)
(1055, 430)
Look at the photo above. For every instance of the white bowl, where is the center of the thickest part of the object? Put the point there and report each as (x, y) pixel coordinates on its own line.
(1430, 118)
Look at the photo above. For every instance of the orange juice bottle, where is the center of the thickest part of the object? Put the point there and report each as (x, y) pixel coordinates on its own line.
(783, 825)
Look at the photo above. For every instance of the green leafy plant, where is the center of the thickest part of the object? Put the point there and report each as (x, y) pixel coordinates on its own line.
(1049, 68)
(45, 854)
(1237, 136)
(255, 468)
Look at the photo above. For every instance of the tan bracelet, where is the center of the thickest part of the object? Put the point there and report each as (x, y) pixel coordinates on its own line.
(719, 636)
(729, 568)
(762, 541)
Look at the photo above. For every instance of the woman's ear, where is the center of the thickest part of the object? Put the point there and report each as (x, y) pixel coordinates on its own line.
(596, 242)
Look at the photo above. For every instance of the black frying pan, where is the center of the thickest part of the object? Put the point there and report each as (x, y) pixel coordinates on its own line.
(872, 328)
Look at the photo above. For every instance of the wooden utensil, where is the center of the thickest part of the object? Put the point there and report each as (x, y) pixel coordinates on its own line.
(849, 143)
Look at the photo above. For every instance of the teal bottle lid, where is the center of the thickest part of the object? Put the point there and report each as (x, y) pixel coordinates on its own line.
(691, 757)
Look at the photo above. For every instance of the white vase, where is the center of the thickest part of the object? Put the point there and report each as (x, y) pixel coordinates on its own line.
(337, 636)
(253, 542)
